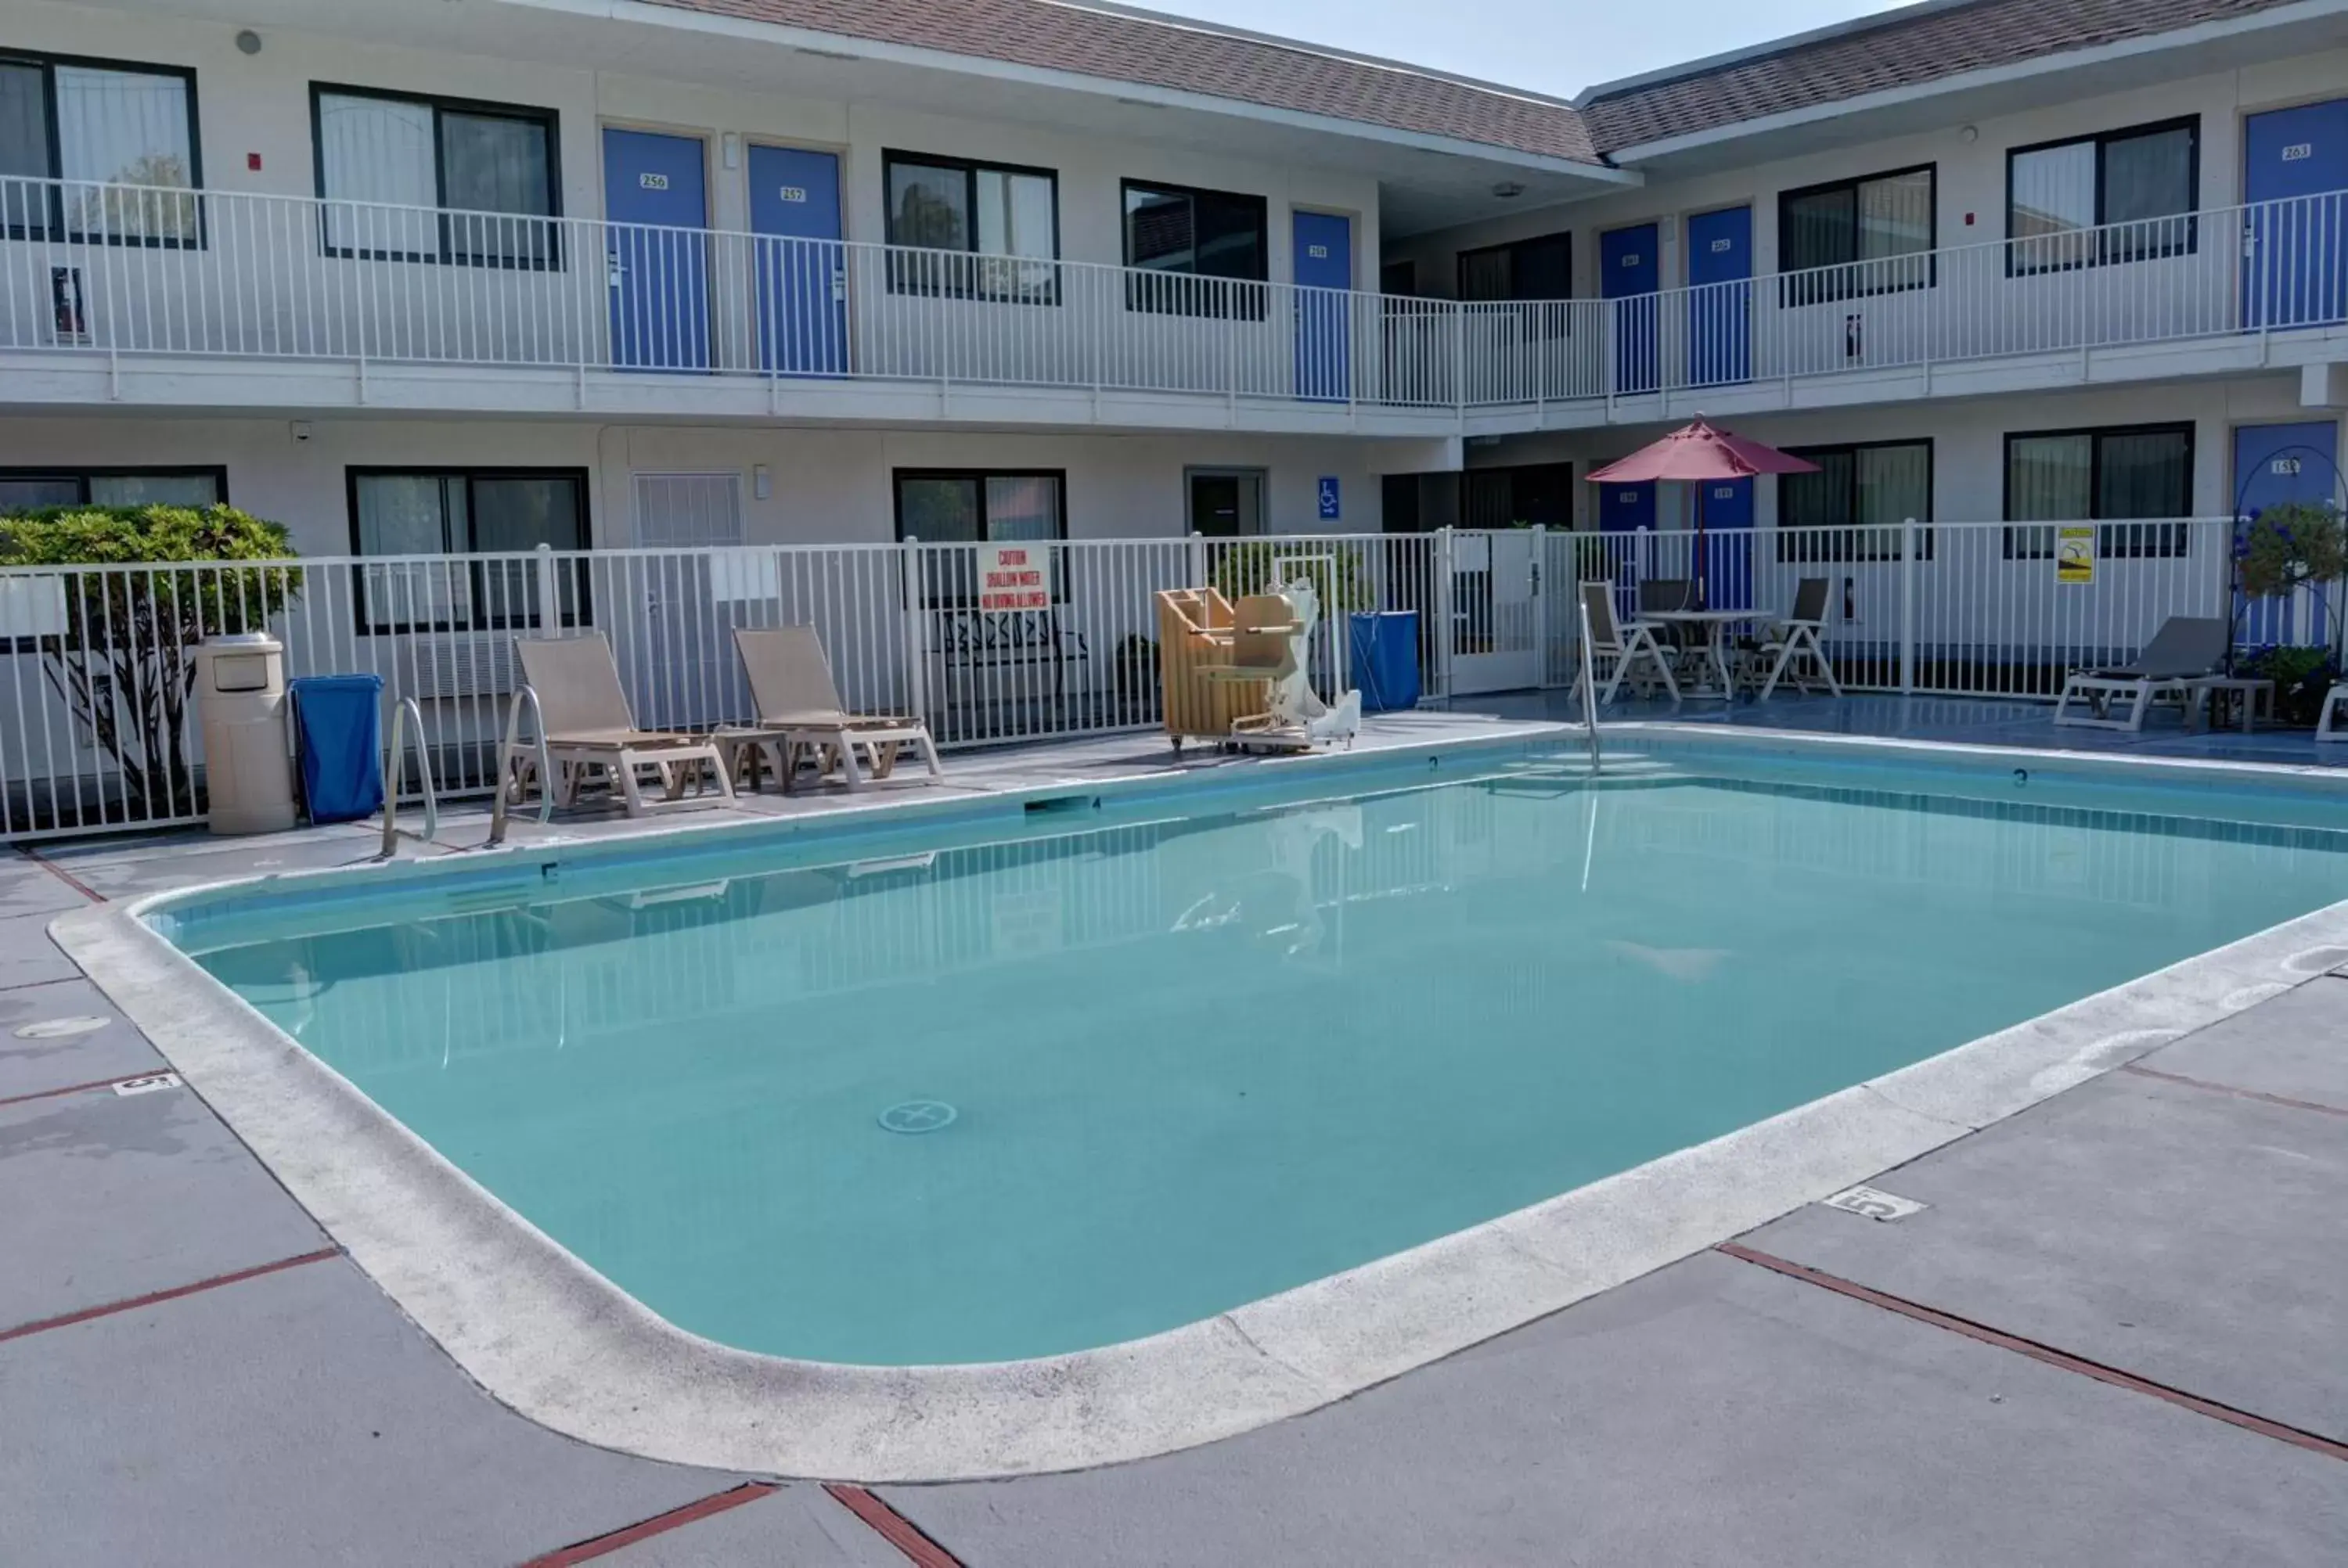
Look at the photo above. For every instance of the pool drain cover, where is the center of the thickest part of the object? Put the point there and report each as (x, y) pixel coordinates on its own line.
(914, 1116)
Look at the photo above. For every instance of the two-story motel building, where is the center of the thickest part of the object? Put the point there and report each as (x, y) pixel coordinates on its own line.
(411, 276)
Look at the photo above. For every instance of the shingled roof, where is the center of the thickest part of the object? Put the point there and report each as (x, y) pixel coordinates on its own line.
(1902, 51)
(1164, 53)
(1920, 45)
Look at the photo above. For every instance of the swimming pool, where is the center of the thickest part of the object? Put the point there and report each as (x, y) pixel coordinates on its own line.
(1019, 1085)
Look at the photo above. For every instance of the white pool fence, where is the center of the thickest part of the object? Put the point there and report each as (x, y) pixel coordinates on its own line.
(1026, 640)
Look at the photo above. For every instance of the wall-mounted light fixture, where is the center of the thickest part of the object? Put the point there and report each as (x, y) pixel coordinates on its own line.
(762, 481)
(248, 42)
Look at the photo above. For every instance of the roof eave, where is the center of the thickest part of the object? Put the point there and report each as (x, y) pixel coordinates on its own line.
(2198, 36)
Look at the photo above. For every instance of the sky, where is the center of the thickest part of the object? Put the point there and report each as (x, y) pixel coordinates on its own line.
(1556, 46)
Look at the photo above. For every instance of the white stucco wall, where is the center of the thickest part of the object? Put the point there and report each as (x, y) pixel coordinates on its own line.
(826, 486)
(261, 105)
(1970, 185)
(1968, 439)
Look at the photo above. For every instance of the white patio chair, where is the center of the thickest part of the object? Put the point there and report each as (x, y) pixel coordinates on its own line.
(1622, 645)
(2324, 732)
(1791, 647)
(2185, 652)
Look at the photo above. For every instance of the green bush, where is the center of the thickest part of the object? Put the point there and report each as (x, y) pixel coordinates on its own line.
(1245, 566)
(121, 664)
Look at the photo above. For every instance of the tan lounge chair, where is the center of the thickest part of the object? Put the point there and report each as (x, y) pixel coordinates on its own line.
(584, 728)
(791, 685)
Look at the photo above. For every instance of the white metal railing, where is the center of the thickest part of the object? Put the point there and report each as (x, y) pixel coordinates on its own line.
(96, 732)
(1945, 609)
(127, 270)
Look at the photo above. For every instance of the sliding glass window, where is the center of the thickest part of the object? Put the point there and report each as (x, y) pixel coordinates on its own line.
(33, 489)
(98, 150)
(990, 231)
(1857, 237)
(411, 179)
(2136, 482)
(1854, 508)
(1207, 252)
(1536, 273)
(502, 512)
(2124, 196)
(971, 507)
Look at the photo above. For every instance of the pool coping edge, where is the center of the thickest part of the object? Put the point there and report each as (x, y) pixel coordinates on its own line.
(559, 1343)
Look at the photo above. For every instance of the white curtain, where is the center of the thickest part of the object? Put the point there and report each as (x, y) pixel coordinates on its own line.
(154, 489)
(1023, 506)
(413, 514)
(126, 127)
(378, 150)
(1015, 218)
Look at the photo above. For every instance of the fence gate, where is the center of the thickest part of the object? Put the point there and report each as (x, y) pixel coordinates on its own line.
(685, 673)
(1496, 605)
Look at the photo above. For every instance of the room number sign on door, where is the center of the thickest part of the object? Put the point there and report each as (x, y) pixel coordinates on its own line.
(652, 182)
(793, 193)
(2299, 152)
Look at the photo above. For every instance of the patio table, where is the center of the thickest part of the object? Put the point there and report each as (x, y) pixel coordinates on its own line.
(1714, 624)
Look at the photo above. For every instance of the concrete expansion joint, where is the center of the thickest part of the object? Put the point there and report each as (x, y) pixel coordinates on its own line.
(1877, 1091)
(1319, 1385)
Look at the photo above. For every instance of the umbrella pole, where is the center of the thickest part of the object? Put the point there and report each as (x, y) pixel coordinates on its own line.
(1703, 586)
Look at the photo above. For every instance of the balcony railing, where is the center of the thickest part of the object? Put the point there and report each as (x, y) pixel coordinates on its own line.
(125, 270)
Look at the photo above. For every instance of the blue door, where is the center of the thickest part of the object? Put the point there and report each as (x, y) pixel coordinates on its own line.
(2274, 464)
(2294, 272)
(1720, 297)
(1324, 255)
(1626, 509)
(802, 267)
(1629, 272)
(1727, 547)
(658, 250)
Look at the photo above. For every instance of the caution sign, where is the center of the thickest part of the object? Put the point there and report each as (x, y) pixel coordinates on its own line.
(1013, 576)
(2075, 555)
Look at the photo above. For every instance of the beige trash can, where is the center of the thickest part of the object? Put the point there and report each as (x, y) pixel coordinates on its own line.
(241, 709)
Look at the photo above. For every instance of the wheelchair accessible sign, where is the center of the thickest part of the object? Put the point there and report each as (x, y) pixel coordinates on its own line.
(2075, 555)
(1331, 510)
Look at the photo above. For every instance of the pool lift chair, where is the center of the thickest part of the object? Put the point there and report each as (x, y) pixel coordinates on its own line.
(1220, 660)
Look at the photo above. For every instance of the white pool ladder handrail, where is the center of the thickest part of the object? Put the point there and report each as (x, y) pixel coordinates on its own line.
(1589, 692)
(401, 712)
(523, 693)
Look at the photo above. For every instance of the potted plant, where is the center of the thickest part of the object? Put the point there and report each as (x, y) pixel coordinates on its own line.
(2285, 548)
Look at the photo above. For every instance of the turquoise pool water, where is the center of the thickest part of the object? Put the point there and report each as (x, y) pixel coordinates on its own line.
(1015, 1087)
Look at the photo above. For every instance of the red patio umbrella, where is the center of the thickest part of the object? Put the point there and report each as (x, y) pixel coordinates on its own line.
(1693, 456)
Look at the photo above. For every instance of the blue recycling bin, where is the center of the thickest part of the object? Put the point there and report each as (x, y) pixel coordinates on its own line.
(338, 727)
(1386, 658)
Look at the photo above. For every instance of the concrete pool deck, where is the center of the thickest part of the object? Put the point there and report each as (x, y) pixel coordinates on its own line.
(190, 1372)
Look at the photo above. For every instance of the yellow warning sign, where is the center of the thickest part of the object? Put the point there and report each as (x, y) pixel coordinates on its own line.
(2075, 555)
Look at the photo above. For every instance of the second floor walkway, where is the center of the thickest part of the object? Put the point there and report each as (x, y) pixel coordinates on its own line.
(173, 298)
